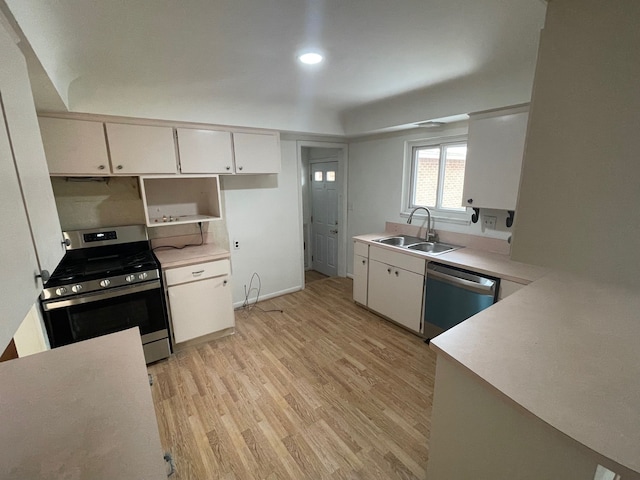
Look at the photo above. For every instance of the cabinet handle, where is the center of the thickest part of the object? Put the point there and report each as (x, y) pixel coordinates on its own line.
(364, 262)
(388, 270)
(44, 275)
(199, 272)
(101, 167)
(225, 283)
(228, 168)
(397, 273)
(470, 201)
(239, 168)
(119, 167)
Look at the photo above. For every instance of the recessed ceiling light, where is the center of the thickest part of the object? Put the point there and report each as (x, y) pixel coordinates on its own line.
(310, 58)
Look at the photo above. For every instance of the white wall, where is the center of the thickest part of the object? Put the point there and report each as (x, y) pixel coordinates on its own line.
(375, 186)
(579, 195)
(264, 214)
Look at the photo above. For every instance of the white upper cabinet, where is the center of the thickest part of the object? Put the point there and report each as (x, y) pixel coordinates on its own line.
(141, 149)
(89, 147)
(31, 237)
(257, 152)
(494, 158)
(205, 151)
(74, 147)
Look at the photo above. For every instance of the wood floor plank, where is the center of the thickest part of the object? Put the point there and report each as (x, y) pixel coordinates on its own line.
(325, 389)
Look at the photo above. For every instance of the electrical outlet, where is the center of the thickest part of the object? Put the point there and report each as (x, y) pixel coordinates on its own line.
(489, 222)
(236, 245)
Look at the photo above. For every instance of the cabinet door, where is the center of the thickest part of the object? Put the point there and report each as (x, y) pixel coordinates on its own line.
(74, 147)
(494, 160)
(199, 308)
(29, 160)
(18, 264)
(141, 149)
(396, 294)
(257, 152)
(204, 151)
(360, 278)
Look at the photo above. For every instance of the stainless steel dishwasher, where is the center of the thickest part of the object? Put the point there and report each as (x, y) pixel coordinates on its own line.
(453, 295)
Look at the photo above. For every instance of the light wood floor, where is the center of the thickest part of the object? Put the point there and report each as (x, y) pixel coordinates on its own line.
(313, 276)
(324, 390)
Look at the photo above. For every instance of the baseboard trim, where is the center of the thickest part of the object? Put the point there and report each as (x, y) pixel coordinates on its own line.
(267, 296)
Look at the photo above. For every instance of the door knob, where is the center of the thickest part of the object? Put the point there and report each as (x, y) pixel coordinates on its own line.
(119, 167)
(333, 231)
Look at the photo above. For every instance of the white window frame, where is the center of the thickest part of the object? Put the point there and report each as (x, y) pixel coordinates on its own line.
(462, 217)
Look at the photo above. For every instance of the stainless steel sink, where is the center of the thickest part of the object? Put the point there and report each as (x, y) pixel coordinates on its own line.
(418, 244)
(399, 240)
(432, 247)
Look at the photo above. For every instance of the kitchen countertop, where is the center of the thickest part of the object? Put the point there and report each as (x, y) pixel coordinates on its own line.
(171, 257)
(563, 348)
(479, 261)
(80, 411)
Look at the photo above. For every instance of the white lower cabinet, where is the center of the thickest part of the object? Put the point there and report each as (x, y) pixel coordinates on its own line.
(360, 272)
(200, 300)
(396, 293)
(360, 279)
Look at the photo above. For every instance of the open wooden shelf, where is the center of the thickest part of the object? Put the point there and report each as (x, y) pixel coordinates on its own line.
(175, 200)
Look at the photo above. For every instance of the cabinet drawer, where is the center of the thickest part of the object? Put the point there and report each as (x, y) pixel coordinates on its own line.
(398, 259)
(360, 248)
(200, 271)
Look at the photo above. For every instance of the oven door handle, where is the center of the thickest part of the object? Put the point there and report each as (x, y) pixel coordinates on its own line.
(95, 297)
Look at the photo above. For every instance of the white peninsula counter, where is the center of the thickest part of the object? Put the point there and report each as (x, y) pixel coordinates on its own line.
(83, 411)
(544, 384)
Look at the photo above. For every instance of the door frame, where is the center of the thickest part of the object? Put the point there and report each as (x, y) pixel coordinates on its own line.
(342, 198)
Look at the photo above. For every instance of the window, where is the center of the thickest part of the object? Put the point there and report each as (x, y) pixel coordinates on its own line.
(437, 176)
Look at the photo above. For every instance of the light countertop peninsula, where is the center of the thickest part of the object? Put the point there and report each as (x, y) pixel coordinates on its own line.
(172, 257)
(80, 411)
(565, 349)
(487, 263)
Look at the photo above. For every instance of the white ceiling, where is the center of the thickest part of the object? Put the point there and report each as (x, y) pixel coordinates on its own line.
(233, 62)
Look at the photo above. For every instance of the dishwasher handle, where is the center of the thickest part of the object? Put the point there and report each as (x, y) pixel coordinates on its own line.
(472, 283)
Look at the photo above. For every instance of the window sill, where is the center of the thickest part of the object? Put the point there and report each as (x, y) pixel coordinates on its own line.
(462, 218)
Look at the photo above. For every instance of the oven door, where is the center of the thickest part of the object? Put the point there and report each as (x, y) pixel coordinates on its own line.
(100, 313)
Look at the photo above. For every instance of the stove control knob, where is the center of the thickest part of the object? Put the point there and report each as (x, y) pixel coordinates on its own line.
(61, 291)
(105, 283)
(143, 275)
(76, 288)
(130, 278)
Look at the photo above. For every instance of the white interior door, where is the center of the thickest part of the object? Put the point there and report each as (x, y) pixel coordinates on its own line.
(324, 217)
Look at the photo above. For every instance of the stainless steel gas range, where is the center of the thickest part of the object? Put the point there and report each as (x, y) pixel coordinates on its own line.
(109, 280)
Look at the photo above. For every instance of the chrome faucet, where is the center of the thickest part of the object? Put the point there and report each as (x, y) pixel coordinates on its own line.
(429, 233)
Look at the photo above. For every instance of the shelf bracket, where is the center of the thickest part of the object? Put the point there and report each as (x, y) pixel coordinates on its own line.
(512, 213)
(476, 215)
